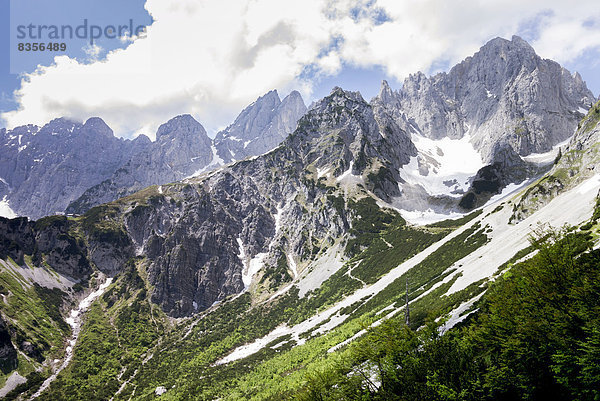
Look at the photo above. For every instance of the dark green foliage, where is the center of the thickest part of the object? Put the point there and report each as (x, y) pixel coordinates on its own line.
(424, 275)
(102, 224)
(32, 315)
(381, 182)
(404, 242)
(517, 256)
(277, 275)
(591, 119)
(48, 221)
(596, 214)
(368, 221)
(95, 365)
(52, 301)
(453, 250)
(536, 336)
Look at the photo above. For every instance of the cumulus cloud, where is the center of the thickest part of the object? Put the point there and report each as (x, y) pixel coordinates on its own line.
(211, 58)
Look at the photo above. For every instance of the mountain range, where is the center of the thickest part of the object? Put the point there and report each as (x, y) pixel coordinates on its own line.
(245, 266)
(69, 167)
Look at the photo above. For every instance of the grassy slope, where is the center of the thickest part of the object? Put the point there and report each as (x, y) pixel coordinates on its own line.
(184, 365)
(535, 337)
(34, 315)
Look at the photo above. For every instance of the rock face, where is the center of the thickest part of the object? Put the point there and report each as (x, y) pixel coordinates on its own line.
(42, 170)
(505, 93)
(47, 241)
(260, 127)
(505, 100)
(8, 353)
(202, 237)
(181, 148)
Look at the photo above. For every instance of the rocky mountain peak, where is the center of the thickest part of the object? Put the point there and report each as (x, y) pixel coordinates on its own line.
(503, 93)
(253, 118)
(271, 96)
(260, 127)
(504, 47)
(59, 126)
(46, 169)
(293, 101)
(180, 126)
(386, 95)
(344, 135)
(340, 97)
(98, 127)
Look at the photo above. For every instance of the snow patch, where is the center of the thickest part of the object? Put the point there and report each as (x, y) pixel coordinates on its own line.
(442, 167)
(277, 218)
(292, 264)
(458, 314)
(322, 172)
(543, 159)
(427, 217)
(348, 178)
(215, 162)
(506, 240)
(5, 210)
(589, 185)
(250, 268)
(252, 348)
(508, 190)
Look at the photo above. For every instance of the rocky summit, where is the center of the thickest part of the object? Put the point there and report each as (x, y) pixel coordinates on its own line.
(260, 127)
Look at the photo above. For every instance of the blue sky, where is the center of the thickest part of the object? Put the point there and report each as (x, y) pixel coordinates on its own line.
(211, 59)
(63, 12)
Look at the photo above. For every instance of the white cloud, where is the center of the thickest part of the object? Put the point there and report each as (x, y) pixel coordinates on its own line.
(93, 51)
(211, 58)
